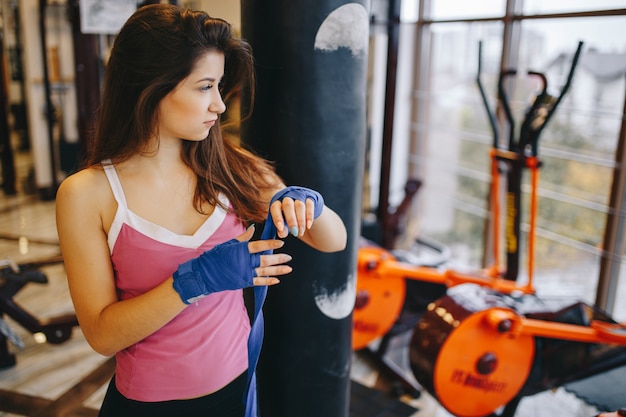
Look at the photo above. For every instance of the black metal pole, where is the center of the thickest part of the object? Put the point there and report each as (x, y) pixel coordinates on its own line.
(88, 69)
(393, 29)
(50, 192)
(6, 150)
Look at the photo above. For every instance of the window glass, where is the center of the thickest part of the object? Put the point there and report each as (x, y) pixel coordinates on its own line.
(454, 138)
(564, 6)
(576, 148)
(409, 11)
(459, 9)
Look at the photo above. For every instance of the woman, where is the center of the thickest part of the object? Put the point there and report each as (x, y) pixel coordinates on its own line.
(148, 228)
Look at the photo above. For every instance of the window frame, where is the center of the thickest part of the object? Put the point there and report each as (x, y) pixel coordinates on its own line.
(612, 254)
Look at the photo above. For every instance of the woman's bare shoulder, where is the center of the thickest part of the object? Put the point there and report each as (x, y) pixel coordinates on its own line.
(84, 200)
(86, 181)
(88, 186)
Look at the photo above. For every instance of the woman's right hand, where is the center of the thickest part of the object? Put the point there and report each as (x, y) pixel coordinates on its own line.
(235, 264)
(270, 265)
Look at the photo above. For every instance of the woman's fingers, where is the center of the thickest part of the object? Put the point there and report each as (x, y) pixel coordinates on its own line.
(273, 271)
(298, 216)
(271, 266)
(276, 211)
(259, 282)
(300, 211)
(310, 212)
(274, 260)
(265, 245)
(294, 212)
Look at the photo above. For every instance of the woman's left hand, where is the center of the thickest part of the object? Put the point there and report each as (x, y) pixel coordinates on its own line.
(294, 209)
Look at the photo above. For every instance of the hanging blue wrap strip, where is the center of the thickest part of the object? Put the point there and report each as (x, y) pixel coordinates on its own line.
(255, 341)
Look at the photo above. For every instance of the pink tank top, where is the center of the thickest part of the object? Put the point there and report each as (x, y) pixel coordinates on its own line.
(203, 348)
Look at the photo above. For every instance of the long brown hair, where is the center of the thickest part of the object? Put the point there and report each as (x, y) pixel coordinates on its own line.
(155, 50)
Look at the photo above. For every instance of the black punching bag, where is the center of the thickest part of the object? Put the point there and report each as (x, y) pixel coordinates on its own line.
(309, 117)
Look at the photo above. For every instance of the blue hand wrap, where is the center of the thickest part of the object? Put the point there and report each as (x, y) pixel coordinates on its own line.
(302, 194)
(255, 341)
(228, 266)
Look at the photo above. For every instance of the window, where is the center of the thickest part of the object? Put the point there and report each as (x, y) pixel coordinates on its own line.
(577, 147)
(455, 138)
(450, 136)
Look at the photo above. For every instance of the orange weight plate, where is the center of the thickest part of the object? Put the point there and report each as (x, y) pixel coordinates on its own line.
(479, 369)
(463, 359)
(379, 299)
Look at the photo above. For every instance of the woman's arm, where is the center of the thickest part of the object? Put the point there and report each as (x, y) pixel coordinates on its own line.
(327, 233)
(109, 325)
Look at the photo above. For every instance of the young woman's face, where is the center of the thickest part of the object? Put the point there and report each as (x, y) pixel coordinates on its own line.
(192, 108)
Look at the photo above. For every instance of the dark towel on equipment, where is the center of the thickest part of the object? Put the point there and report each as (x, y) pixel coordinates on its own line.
(606, 391)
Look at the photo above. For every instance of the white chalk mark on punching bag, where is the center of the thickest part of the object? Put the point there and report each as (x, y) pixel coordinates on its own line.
(339, 304)
(347, 27)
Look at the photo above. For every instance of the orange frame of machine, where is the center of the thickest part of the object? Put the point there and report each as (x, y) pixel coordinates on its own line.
(381, 286)
(383, 276)
(382, 295)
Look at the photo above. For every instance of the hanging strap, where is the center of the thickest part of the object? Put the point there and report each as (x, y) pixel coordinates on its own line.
(255, 341)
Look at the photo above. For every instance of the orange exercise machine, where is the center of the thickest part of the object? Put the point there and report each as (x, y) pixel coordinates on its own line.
(483, 341)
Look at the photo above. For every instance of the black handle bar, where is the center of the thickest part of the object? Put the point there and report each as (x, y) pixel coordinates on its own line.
(533, 124)
(492, 117)
(564, 89)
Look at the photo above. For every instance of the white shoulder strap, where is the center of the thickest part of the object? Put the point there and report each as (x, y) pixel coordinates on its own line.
(114, 182)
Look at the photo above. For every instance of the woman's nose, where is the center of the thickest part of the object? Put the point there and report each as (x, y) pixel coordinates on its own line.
(217, 105)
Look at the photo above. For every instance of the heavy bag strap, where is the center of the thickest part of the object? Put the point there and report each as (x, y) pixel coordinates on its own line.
(255, 341)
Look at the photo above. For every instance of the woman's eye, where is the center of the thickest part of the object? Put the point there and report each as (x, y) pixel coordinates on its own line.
(206, 87)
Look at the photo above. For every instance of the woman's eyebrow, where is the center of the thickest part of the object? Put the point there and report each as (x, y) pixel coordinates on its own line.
(209, 79)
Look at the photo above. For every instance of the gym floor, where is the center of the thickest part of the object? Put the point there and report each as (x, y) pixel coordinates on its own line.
(45, 372)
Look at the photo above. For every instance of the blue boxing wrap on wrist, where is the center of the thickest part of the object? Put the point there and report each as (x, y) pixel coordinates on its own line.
(302, 194)
(228, 266)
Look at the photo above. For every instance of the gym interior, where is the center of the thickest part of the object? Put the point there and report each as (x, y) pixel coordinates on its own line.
(476, 152)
